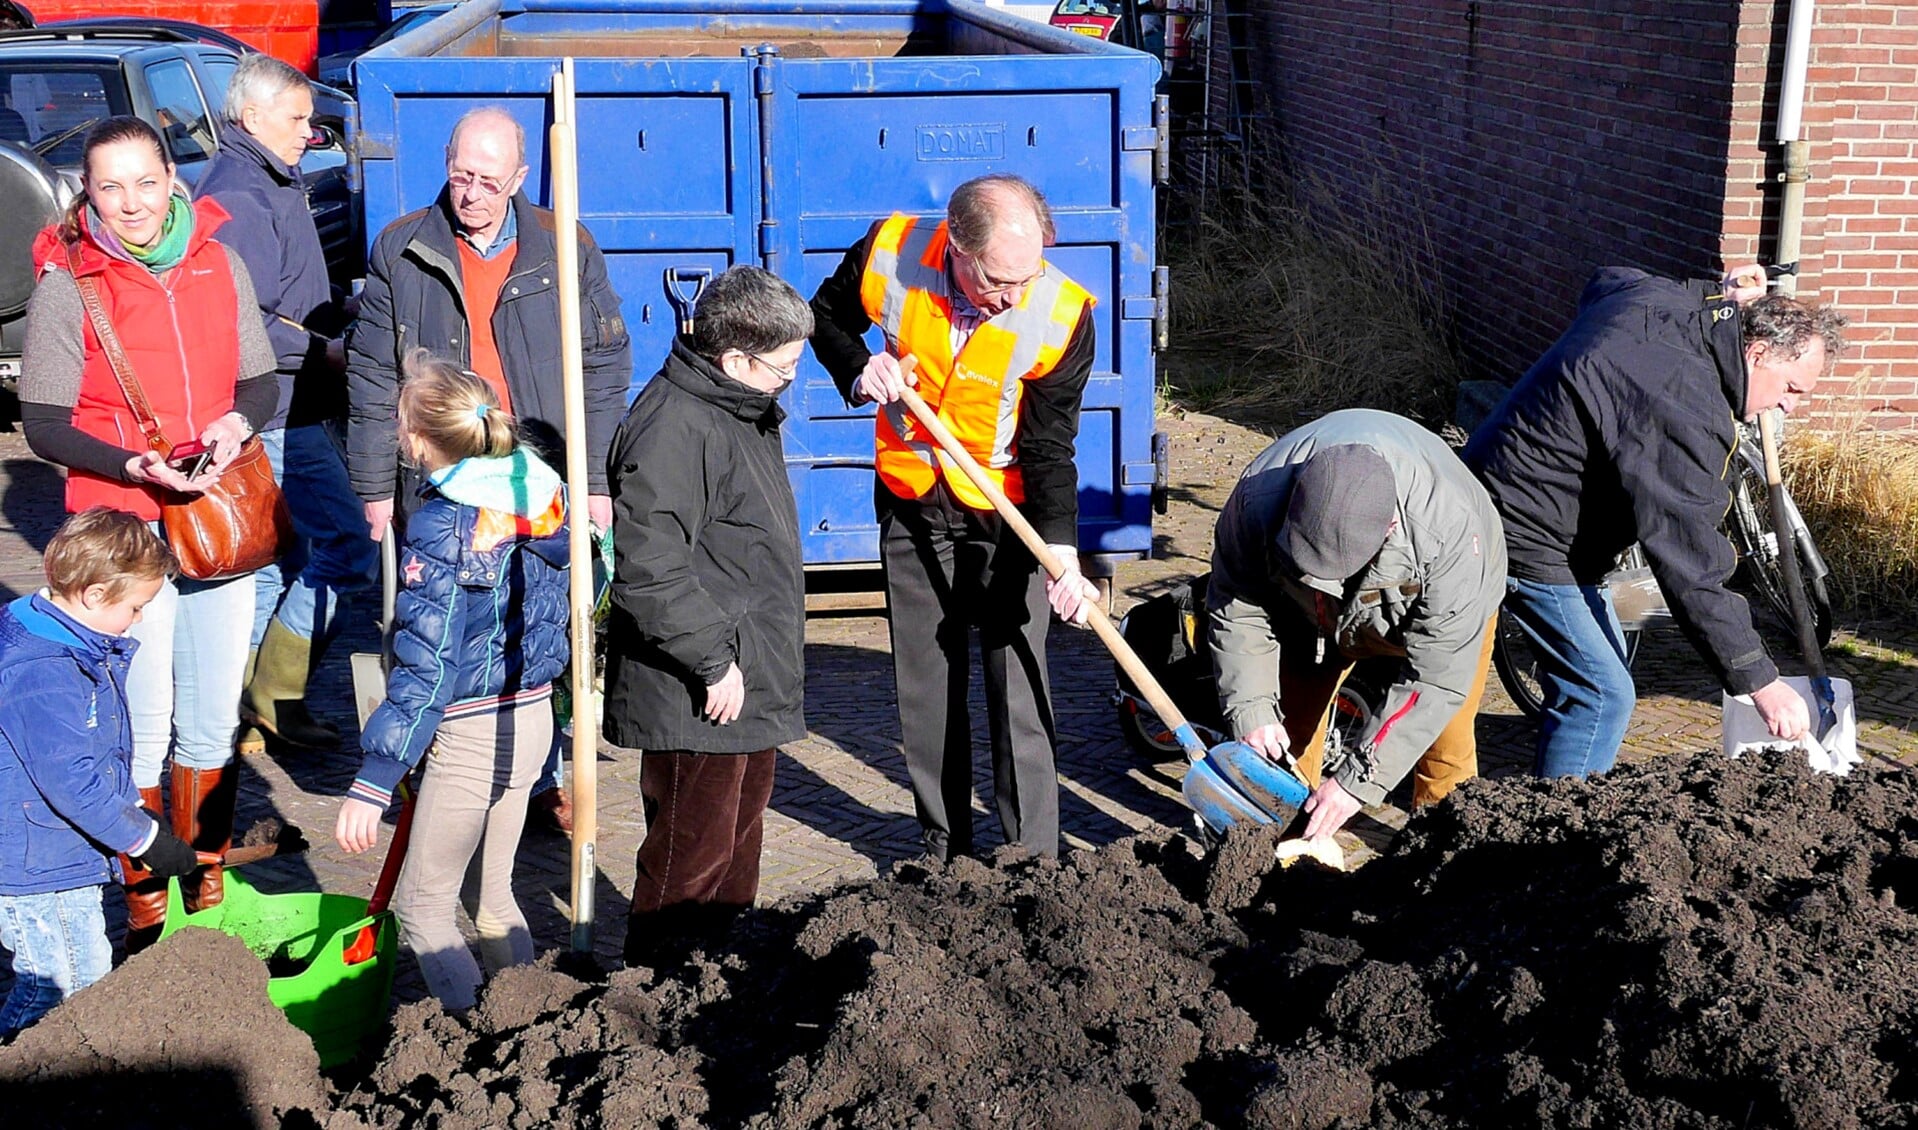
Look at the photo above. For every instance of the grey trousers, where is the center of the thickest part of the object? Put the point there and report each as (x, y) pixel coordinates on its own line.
(471, 810)
(950, 568)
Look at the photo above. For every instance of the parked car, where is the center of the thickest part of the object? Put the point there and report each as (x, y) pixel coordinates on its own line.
(57, 81)
(337, 69)
(199, 33)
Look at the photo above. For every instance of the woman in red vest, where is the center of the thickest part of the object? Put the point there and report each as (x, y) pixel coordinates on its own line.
(184, 311)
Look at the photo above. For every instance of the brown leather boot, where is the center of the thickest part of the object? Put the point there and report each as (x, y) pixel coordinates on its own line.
(203, 802)
(146, 893)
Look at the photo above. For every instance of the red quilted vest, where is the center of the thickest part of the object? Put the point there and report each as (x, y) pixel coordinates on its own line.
(182, 339)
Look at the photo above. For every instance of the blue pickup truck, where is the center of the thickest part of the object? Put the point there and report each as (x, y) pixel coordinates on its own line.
(774, 132)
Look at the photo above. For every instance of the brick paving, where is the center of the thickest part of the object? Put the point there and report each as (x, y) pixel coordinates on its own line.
(840, 809)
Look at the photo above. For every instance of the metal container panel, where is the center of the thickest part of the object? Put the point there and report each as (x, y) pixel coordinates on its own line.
(776, 133)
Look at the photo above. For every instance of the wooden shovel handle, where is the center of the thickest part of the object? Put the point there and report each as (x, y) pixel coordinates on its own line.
(1097, 619)
(251, 853)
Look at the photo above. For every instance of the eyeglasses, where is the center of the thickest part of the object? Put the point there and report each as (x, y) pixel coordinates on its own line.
(462, 180)
(785, 373)
(988, 284)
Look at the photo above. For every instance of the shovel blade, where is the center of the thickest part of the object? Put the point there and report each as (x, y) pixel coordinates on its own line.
(1831, 747)
(1234, 784)
(369, 684)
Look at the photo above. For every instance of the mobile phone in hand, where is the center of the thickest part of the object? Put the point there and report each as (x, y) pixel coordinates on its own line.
(190, 458)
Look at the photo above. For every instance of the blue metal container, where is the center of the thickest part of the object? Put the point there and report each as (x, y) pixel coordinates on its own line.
(715, 132)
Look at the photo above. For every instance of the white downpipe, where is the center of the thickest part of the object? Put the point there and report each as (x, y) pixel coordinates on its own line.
(1791, 105)
(1791, 92)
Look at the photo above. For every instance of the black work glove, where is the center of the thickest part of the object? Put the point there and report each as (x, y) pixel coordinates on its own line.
(170, 856)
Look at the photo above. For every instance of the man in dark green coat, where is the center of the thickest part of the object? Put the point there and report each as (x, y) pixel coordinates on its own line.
(705, 664)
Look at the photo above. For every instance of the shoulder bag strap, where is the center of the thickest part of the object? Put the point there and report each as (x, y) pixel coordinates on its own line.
(116, 356)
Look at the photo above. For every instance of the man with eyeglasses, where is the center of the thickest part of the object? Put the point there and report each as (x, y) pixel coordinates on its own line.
(1624, 431)
(473, 276)
(1003, 344)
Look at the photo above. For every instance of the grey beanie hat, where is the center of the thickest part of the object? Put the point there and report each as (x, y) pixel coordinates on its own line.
(1343, 502)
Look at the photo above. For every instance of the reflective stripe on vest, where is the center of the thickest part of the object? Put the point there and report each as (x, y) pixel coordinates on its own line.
(907, 293)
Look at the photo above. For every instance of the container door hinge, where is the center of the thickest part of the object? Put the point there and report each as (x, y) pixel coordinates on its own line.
(1157, 137)
(1154, 307)
(768, 238)
(1161, 307)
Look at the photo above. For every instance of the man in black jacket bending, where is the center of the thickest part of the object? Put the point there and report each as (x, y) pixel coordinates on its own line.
(1624, 431)
(705, 658)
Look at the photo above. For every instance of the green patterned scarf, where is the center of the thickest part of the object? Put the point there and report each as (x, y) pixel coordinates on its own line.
(170, 248)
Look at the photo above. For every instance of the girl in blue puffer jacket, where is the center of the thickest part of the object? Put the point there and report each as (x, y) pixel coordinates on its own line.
(480, 635)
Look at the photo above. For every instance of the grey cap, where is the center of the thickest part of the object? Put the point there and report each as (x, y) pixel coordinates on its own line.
(1343, 501)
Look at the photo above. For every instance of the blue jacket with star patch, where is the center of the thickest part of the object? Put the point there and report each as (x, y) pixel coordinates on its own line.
(67, 798)
(481, 619)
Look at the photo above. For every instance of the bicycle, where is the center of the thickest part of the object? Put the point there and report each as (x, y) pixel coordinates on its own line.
(1169, 634)
(1635, 592)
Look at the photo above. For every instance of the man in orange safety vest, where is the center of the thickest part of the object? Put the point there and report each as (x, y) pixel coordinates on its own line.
(1003, 345)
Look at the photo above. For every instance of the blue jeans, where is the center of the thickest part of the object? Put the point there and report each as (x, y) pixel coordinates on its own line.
(183, 687)
(552, 774)
(1589, 694)
(59, 944)
(335, 553)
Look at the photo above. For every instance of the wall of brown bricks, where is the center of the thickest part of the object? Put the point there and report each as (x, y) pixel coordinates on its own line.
(1527, 143)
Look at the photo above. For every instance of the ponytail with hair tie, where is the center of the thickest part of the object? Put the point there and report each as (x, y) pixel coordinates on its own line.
(441, 402)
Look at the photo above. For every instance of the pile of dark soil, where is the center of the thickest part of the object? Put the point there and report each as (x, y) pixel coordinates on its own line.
(1698, 943)
(182, 1034)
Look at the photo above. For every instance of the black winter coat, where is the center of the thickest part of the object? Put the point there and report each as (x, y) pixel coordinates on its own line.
(413, 298)
(1624, 431)
(272, 229)
(707, 568)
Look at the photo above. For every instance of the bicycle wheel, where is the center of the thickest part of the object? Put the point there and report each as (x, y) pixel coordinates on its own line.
(1144, 732)
(1517, 665)
(1755, 538)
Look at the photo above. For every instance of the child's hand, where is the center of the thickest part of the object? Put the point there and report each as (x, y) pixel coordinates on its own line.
(359, 826)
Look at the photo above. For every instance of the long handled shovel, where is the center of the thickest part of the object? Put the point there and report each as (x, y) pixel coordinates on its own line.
(565, 165)
(1824, 694)
(369, 668)
(369, 690)
(1227, 785)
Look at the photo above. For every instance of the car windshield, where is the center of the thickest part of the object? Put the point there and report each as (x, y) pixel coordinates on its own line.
(403, 25)
(53, 106)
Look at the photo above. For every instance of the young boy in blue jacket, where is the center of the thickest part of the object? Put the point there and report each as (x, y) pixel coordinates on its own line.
(67, 798)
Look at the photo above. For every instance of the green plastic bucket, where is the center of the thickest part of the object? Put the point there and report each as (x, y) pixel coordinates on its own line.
(304, 939)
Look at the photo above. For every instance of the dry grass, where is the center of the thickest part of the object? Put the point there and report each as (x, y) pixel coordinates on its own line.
(1286, 307)
(1858, 490)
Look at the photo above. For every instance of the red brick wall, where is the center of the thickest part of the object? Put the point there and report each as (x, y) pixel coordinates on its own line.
(1531, 142)
(1861, 215)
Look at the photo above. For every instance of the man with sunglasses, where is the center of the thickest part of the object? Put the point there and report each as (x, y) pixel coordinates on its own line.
(1002, 345)
(1356, 536)
(473, 276)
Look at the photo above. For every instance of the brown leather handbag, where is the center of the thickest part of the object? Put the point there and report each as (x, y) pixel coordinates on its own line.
(241, 522)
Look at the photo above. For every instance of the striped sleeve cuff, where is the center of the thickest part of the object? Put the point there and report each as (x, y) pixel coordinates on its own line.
(370, 793)
(146, 841)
